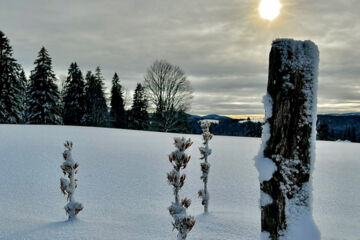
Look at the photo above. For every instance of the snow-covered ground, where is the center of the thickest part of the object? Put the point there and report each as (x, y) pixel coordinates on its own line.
(123, 186)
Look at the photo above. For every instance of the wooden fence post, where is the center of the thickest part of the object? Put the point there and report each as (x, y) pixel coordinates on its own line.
(287, 154)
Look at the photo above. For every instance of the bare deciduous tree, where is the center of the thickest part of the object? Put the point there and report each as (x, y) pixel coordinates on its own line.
(169, 92)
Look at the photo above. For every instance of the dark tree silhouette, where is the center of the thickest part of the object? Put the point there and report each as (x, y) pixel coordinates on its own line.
(12, 85)
(170, 93)
(323, 132)
(43, 104)
(139, 118)
(96, 112)
(74, 96)
(117, 112)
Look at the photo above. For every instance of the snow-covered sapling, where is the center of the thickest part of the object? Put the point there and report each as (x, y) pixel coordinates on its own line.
(286, 158)
(69, 168)
(183, 223)
(205, 151)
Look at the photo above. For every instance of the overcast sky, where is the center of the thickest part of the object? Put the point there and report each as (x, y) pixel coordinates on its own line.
(222, 45)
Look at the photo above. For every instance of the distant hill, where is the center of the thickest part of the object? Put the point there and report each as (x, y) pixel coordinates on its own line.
(215, 117)
(210, 117)
(342, 114)
(340, 121)
(223, 125)
(337, 123)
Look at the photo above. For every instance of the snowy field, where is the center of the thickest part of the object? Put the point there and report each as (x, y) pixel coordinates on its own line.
(123, 186)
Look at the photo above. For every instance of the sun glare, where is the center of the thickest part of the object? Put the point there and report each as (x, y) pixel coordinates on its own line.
(269, 9)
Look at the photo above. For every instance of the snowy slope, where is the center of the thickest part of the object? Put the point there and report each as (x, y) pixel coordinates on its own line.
(123, 187)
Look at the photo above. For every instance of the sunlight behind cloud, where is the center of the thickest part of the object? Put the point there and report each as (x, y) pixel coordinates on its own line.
(269, 9)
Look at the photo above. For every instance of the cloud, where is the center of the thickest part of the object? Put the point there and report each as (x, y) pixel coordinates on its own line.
(222, 45)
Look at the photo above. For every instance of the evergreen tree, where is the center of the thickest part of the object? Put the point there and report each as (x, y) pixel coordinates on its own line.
(347, 134)
(96, 112)
(323, 132)
(332, 135)
(22, 94)
(43, 95)
(117, 112)
(182, 122)
(252, 129)
(74, 96)
(344, 134)
(11, 87)
(353, 134)
(139, 118)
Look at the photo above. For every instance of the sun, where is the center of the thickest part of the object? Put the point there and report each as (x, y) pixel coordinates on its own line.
(269, 9)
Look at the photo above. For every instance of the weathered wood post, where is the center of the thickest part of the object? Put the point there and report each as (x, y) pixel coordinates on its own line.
(286, 157)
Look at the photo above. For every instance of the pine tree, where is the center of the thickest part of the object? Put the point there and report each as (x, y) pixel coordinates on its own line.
(10, 84)
(69, 168)
(205, 151)
(117, 112)
(347, 134)
(96, 113)
(43, 104)
(139, 118)
(353, 134)
(323, 132)
(252, 129)
(179, 160)
(332, 135)
(74, 96)
(23, 83)
(182, 125)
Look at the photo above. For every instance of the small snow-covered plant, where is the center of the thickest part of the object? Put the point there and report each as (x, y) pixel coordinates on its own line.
(183, 223)
(69, 168)
(205, 151)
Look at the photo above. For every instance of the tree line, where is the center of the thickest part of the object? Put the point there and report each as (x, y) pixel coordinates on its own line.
(159, 102)
(324, 132)
(228, 127)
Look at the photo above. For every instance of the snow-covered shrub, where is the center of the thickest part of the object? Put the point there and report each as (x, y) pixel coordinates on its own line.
(205, 151)
(183, 223)
(68, 186)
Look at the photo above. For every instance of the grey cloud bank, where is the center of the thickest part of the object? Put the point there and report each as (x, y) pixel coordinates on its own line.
(222, 45)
